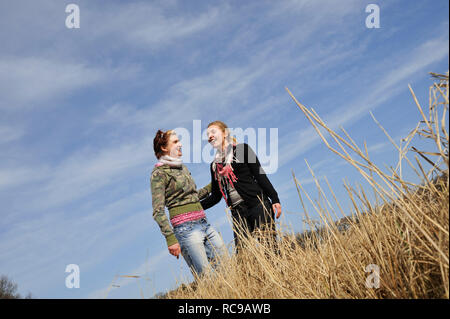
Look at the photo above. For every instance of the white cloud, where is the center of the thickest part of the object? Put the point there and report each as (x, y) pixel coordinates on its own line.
(85, 172)
(163, 30)
(9, 134)
(201, 96)
(14, 177)
(148, 26)
(29, 81)
(385, 88)
(379, 147)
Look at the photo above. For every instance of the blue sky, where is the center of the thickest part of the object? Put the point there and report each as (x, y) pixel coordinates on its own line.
(79, 109)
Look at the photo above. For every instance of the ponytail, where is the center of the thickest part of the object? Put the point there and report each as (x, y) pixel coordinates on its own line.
(161, 140)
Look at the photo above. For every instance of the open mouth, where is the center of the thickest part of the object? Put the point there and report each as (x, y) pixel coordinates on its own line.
(177, 151)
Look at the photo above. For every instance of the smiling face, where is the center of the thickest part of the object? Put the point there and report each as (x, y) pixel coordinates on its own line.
(216, 137)
(173, 147)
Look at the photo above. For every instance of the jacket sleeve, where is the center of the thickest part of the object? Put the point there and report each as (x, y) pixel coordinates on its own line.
(255, 167)
(203, 192)
(215, 195)
(158, 187)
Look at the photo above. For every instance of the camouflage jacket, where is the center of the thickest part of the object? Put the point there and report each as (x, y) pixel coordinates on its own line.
(174, 188)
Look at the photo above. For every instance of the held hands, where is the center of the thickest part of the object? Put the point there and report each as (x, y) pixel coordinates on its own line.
(277, 208)
(175, 250)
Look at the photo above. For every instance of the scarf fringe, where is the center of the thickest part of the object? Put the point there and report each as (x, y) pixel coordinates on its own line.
(224, 173)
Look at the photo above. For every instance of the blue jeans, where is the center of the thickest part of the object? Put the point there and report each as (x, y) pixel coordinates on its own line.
(200, 244)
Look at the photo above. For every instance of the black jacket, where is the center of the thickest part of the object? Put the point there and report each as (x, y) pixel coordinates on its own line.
(251, 180)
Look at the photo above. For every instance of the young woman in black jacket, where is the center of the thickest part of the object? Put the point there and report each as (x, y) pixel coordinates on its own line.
(237, 176)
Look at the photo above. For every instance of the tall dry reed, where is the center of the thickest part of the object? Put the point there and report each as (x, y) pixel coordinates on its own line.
(395, 246)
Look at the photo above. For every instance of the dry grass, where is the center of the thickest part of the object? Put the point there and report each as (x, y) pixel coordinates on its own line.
(405, 233)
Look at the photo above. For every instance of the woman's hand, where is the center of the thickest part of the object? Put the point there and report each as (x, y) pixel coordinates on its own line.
(204, 192)
(175, 250)
(277, 208)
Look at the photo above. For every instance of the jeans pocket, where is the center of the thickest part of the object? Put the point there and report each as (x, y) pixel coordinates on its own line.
(181, 231)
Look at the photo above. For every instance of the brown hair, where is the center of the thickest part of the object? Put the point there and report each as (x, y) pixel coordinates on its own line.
(161, 140)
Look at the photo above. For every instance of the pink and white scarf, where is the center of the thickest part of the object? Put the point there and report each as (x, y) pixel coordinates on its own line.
(169, 160)
(224, 173)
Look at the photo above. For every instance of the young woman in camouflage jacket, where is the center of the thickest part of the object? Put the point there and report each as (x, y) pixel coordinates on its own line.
(172, 186)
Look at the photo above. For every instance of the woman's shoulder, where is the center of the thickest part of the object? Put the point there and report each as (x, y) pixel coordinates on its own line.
(243, 146)
(185, 169)
(243, 152)
(159, 171)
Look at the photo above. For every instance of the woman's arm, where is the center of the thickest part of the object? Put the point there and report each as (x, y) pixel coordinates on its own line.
(203, 192)
(255, 167)
(158, 187)
(215, 195)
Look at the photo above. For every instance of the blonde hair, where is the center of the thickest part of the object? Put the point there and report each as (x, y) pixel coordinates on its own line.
(224, 128)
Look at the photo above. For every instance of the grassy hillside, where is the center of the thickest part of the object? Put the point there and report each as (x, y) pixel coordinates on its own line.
(397, 247)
